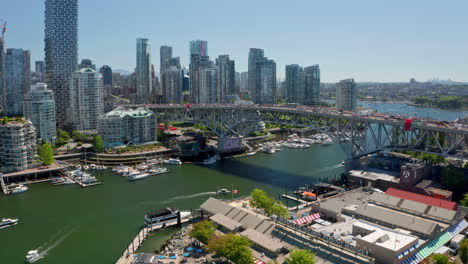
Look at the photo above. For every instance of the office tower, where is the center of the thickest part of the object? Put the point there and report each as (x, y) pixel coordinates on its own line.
(311, 85)
(346, 94)
(294, 84)
(186, 80)
(18, 145)
(173, 85)
(208, 85)
(2, 76)
(123, 126)
(197, 63)
(106, 73)
(86, 99)
(143, 72)
(226, 87)
(61, 51)
(173, 62)
(199, 47)
(39, 107)
(266, 82)
(165, 53)
(40, 70)
(87, 63)
(255, 55)
(244, 81)
(18, 80)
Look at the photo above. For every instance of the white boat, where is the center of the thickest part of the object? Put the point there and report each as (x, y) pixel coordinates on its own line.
(19, 189)
(138, 176)
(92, 166)
(62, 181)
(7, 222)
(88, 179)
(104, 167)
(32, 256)
(269, 150)
(132, 173)
(157, 171)
(251, 153)
(85, 167)
(210, 160)
(223, 191)
(78, 167)
(164, 215)
(173, 162)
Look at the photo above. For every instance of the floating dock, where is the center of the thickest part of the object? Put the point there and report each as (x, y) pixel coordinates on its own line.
(86, 185)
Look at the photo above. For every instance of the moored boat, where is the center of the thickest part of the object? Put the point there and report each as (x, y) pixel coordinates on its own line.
(19, 189)
(164, 215)
(173, 162)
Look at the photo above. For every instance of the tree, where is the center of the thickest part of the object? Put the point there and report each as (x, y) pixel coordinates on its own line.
(260, 199)
(463, 251)
(453, 178)
(98, 143)
(45, 153)
(233, 247)
(62, 138)
(301, 256)
(440, 259)
(464, 202)
(203, 231)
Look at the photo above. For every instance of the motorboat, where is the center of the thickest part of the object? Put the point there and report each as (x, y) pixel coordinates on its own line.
(210, 160)
(62, 181)
(92, 166)
(86, 167)
(19, 189)
(7, 222)
(78, 167)
(164, 215)
(269, 150)
(88, 179)
(251, 153)
(172, 162)
(32, 256)
(157, 171)
(223, 191)
(132, 173)
(138, 176)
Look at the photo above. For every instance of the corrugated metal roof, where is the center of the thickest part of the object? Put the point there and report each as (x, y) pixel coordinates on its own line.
(422, 198)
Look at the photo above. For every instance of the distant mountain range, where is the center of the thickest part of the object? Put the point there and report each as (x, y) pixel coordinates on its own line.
(123, 72)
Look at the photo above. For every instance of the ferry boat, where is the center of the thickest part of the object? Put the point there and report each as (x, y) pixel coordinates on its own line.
(32, 256)
(7, 222)
(19, 189)
(173, 162)
(138, 176)
(164, 215)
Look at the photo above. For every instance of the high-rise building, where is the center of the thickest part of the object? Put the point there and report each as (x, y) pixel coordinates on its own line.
(18, 80)
(197, 63)
(165, 53)
(143, 71)
(123, 126)
(199, 47)
(2, 76)
(87, 63)
(186, 80)
(173, 85)
(86, 99)
(208, 85)
(106, 73)
(311, 85)
(39, 107)
(255, 56)
(226, 79)
(18, 145)
(61, 51)
(294, 84)
(266, 82)
(346, 94)
(40, 70)
(244, 81)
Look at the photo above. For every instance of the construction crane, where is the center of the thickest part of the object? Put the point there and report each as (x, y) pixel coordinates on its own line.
(3, 27)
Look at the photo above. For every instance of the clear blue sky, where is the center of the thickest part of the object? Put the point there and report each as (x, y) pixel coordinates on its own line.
(370, 40)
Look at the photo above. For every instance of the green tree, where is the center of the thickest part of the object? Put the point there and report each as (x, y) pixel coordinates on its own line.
(440, 259)
(233, 247)
(464, 202)
(453, 178)
(98, 143)
(46, 154)
(463, 251)
(301, 256)
(465, 165)
(260, 199)
(62, 138)
(203, 231)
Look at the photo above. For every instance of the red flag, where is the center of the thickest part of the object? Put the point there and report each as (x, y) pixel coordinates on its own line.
(235, 191)
(188, 106)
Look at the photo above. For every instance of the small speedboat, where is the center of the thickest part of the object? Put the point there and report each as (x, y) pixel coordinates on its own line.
(138, 176)
(251, 153)
(173, 162)
(62, 181)
(157, 171)
(32, 256)
(7, 222)
(223, 191)
(19, 189)
(85, 167)
(210, 160)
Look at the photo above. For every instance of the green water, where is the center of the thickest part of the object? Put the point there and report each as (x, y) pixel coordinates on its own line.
(95, 224)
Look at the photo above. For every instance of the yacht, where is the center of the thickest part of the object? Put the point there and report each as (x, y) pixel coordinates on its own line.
(62, 181)
(32, 256)
(19, 189)
(132, 173)
(92, 166)
(269, 150)
(210, 160)
(173, 162)
(223, 191)
(157, 171)
(163, 215)
(6, 222)
(85, 167)
(86, 179)
(139, 176)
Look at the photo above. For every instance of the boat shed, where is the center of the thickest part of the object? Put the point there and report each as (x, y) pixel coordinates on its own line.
(214, 206)
(225, 222)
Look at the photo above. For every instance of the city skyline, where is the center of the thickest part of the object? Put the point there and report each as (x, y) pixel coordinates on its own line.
(356, 40)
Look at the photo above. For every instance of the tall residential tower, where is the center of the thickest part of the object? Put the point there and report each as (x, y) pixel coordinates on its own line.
(143, 71)
(346, 94)
(18, 80)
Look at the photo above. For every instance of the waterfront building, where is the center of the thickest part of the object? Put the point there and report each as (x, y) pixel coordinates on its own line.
(302, 85)
(199, 47)
(61, 51)
(226, 86)
(86, 99)
(173, 79)
(346, 94)
(312, 85)
(143, 72)
(244, 82)
(40, 70)
(125, 126)
(106, 73)
(18, 80)
(18, 145)
(255, 56)
(87, 63)
(39, 108)
(197, 63)
(208, 85)
(266, 82)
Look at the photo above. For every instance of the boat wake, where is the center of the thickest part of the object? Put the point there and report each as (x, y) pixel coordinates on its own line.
(43, 253)
(336, 166)
(183, 197)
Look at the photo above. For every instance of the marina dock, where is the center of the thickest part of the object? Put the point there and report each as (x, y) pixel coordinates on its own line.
(87, 185)
(127, 256)
(301, 205)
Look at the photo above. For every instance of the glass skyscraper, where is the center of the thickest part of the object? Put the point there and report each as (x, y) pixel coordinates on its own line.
(143, 71)
(18, 80)
(61, 51)
(199, 47)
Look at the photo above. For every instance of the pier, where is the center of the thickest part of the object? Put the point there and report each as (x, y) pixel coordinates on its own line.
(127, 256)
